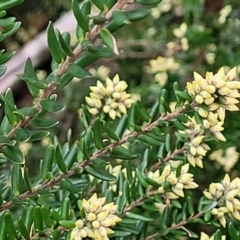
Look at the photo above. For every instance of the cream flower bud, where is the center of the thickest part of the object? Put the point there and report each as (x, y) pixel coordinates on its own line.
(209, 101)
(213, 106)
(83, 233)
(93, 111)
(106, 108)
(79, 223)
(210, 89)
(112, 114)
(101, 216)
(224, 91)
(197, 140)
(190, 89)
(231, 74)
(91, 216)
(121, 86)
(199, 99)
(202, 112)
(96, 224)
(232, 107)
(196, 86)
(205, 94)
(230, 100)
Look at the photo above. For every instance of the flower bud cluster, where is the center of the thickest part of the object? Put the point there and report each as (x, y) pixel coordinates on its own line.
(172, 184)
(227, 194)
(98, 220)
(215, 93)
(111, 98)
(196, 148)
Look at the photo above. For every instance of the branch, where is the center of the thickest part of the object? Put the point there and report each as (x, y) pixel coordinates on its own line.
(111, 147)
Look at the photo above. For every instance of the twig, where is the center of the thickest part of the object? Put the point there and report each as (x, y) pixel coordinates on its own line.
(177, 226)
(90, 36)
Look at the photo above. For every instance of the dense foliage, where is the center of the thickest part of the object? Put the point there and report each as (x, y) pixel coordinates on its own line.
(157, 160)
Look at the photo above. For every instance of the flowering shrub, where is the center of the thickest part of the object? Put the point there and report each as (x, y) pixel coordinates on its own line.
(130, 169)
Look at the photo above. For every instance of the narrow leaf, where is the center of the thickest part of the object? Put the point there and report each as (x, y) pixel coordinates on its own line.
(14, 154)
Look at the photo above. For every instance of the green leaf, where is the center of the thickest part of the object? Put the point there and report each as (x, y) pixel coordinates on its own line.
(110, 132)
(10, 226)
(120, 234)
(37, 219)
(141, 178)
(31, 82)
(13, 154)
(100, 173)
(137, 14)
(81, 19)
(51, 105)
(22, 134)
(190, 205)
(22, 228)
(16, 179)
(71, 156)
(138, 217)
(122, 125)
(38, 135)
(77, 71)
(97, 132)
(120, 18)
(4, 139)
(179, 125)
(183, 95)
(69, 186)
(142, 112)
(43, 122)
(59, 159)
(26, 179)
(65, 208)
(123, 153)
(234, 234)
(7, 4)
(67, 223)
(46, 216)
(3, 69)
(218, 235)
(210, 206)
(28, 217)
(13, 29)
(30, 77)
(99, 52)
(109, 40)
(64, 80)
(148, 2)
(150, 139)
(5, 57)
(99, 4)
(54, 44)
(64, 44)
(47, 161)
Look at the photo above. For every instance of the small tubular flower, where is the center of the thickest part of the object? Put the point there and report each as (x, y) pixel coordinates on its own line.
(217, 92)
(171, 184)
(227, 194)
(99, 217)
(109, 97)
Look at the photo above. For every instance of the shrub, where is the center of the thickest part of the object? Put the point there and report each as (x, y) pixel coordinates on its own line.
(135, 167)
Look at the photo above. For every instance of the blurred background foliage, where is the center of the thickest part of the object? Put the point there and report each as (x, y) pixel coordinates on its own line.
(177, 38)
